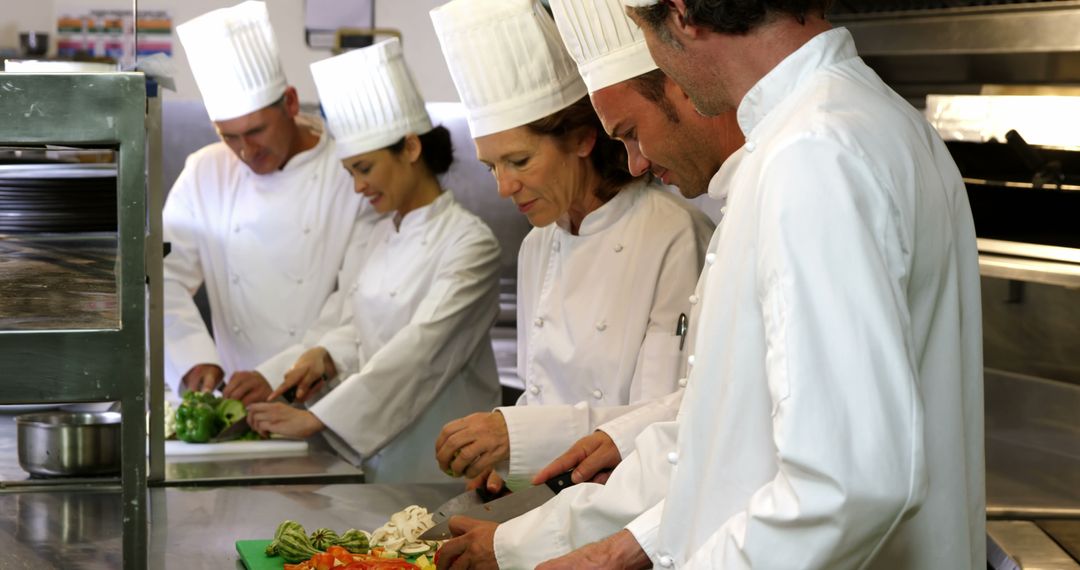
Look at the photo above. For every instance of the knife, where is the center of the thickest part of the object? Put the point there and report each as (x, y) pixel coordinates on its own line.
(240, 427)
(499, 510)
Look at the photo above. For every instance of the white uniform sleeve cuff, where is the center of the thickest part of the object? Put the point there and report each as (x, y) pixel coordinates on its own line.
(646, 529)
(624, 429)
(539, 434)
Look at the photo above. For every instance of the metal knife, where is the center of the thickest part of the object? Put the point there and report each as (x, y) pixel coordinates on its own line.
(499, 510)
(240, 427)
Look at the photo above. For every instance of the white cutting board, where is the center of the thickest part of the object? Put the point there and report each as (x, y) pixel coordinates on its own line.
(265, 448)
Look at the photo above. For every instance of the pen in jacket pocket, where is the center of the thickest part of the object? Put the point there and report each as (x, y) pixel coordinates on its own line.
(680, 329)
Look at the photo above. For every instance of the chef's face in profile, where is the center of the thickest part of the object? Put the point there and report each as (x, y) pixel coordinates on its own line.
(263, 140)
(543, 175)
(383, 176)
(662, 131)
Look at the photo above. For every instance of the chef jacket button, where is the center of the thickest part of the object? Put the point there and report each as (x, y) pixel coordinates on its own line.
(673, 457)
(693, 299)
(682, 382)
(235, 279)
(307, 231)
(292, 332)
(618, 247)
(300, 281)
(555, 246)
(690, 360)
(534, 389)
(723, 210)
(597, 394)
(750, 146)
(353, 288)
(710, 258)
(236, 229)
(538, 322)
(601, 326)
(666, 561)
(236, 329)
(393, 293)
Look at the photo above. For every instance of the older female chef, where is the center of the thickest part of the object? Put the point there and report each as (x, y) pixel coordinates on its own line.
(607, 271)
(414, 349)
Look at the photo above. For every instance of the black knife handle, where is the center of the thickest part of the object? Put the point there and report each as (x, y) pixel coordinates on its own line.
(559, 482)
(290, 394)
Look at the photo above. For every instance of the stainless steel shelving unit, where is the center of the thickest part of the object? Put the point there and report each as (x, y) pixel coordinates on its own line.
(103, 363)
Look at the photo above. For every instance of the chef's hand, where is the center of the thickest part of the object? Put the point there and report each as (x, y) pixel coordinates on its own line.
(203, 377)
(473, 545)
(620, 550)
(282, 419)
(587, 457)
(308, 374)
(472, 445)
(489, 479)
(248, 386)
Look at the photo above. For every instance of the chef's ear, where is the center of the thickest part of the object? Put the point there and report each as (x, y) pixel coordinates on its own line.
(681, 26)
(291, 101)
(585, 142)
(413, 148)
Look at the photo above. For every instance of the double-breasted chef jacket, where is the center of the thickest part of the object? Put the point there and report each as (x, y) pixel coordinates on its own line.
(833, 417)
(414, 349)
(597, 316)
(268, 247)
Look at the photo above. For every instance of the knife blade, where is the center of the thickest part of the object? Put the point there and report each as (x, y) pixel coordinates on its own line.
(241, 427)
(460, 503)
(501, 509)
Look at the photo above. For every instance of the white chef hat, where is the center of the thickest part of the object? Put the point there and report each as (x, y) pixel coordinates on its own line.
(507, 61)
(234, 56)
(606, 44)
(369, 98)
(639, 3)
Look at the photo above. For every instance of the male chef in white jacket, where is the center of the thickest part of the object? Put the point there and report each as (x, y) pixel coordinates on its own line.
(263, 218)
(833, 416)
(664, 135)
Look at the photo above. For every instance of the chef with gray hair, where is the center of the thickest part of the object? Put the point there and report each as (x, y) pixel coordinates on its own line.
(263, 219)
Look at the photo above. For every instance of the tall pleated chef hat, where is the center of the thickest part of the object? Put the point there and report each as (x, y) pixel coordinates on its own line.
(369, 98)
(507, 61)
(234, 56)
(606, 44)
(639, 3)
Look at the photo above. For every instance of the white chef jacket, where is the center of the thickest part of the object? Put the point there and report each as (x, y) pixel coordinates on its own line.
(597, 314)
(422, 306)
(268, 247)
(833, 417)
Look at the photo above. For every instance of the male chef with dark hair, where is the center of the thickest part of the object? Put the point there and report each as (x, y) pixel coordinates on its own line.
(264, 219)
(833, 415)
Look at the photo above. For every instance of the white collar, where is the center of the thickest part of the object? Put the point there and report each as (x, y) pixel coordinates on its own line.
(823, 50)
(420, 216)
(606, 215)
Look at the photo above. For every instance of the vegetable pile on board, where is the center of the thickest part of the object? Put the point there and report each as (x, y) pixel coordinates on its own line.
(395, 545)
(201, 416)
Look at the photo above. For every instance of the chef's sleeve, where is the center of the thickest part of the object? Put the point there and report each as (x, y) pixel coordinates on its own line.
(187, 342)
(332, 329)
(588, 512)
(840, 366)
(539, 434)
(399, 381)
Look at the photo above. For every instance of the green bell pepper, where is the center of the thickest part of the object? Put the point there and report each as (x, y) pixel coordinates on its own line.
(196, 419)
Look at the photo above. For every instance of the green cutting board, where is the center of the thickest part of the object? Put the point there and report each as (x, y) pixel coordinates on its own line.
(253, 554)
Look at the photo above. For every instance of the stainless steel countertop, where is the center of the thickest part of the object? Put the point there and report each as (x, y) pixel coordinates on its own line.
(190, 528)
(320, 465)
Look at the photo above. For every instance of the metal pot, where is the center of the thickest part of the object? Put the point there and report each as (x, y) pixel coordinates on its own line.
(69, 443)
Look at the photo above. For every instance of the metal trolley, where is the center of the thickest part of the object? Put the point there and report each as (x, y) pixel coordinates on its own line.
(94, 363)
